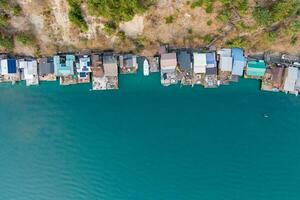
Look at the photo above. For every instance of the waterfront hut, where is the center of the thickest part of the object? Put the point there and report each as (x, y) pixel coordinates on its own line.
(9, 70)
(97, 68)
(297, 86)
(168, 64)
(199, 67)
(185, 71)
(272, 80)
(239, 63)
(83, 69)
(291, 76)
(256, 69)
(128, 63)
(110, 65)
(46, 69)
(225, 65)
(64, 68)
(211, 71)
(29, 69)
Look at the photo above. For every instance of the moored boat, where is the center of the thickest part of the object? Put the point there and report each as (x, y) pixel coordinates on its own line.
(146, 67)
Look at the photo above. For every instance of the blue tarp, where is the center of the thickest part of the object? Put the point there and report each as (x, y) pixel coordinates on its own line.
(11, 66)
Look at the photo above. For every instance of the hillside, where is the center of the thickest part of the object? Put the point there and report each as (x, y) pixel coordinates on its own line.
(37, 27)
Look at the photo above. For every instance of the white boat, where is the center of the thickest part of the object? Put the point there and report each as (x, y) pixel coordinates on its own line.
(146, 67)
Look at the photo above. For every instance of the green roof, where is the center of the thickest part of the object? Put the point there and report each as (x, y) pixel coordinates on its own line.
(256, 68)
(257, 64)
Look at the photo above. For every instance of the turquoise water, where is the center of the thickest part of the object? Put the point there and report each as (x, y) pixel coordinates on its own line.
(148, 142)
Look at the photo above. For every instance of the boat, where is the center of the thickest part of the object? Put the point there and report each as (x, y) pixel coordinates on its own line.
(146, 67)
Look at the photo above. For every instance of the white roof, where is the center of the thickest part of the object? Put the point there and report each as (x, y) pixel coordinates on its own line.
(290, 81)
(226, 63)
(225, 52)
(4, 67)
(168, 61)
(199, 62)
(30, 68)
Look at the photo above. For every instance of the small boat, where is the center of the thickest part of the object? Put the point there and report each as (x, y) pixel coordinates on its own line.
(266, 116)
(146, 67)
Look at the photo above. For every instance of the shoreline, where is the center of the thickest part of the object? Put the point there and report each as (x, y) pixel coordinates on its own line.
(209, 68)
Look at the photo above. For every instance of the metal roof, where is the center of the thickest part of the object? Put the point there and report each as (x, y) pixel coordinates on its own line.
(184, 60)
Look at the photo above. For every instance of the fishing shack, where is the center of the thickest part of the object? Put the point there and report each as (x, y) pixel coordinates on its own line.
(225, 65)
(29, 71)
(291, 76)
(64, 68)
(168, 64)
(239, 64)
(199, 67)
(273, 78)
(46, 69)
(211, 75)
(185, 70)
(83, 69)
(9, 70)
(128, 64)
(255, 69)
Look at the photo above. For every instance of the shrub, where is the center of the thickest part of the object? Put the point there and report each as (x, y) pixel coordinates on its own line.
(224, 16)
(283, 9)
(209, 7)
(169, 19)
(294, 40)
(208, 38)
(262, 16)
(7, 42)
(209, 23)
(110, 27)
(121, 10)
(16, 10)
(293, 28)
(75, 15)
(197, 3)
(25, 38)
(270, 37)
(237, 42)
(3, 20)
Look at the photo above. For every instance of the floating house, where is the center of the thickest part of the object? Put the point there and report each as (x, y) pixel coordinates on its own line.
(168, 64)
(46, 69)
(225, 65)
(9, 70)
(185, 70)
(29, 71)
(154, 64)
(97, 72)
(256, 69)
(199, 67)
(83, 69)
(128, 64)
(64, 68)
(273, 79)
(239, 63)
(291, 76)
(211, 71)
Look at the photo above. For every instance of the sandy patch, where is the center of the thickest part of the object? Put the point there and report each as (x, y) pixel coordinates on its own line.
(134, 27)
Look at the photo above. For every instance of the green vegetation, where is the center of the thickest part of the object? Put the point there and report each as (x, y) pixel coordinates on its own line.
(117, 11)
(3, 20)
(237, 42)
(276, 12)
(25, 38)
(10, 7)
(139, 43)
(209, 23)
(224, 16)
(293, 28)
(208, 38)
(294, 40)
(7, 42)
(169, 19)
(110, 28)
(270, 37)
(75, 15)
(206, 4)
(190, 31)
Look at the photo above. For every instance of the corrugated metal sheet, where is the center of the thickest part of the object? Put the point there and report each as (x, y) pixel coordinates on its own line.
(290, 81)
(199, 62)
(168, 60)
(12, 66)
(226, 52)
(226, 63)
(184, 60)
(238, 67)
(211, 58)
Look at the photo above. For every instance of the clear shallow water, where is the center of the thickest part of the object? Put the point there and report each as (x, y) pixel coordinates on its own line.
(146, 141)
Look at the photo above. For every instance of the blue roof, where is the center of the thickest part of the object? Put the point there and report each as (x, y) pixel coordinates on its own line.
(210, 58)
(238, 54)
(12, 66)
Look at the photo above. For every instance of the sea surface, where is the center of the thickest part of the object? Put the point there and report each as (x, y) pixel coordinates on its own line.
(148, 142)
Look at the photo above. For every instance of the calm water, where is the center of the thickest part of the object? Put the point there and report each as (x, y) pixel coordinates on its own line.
(146, 141)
